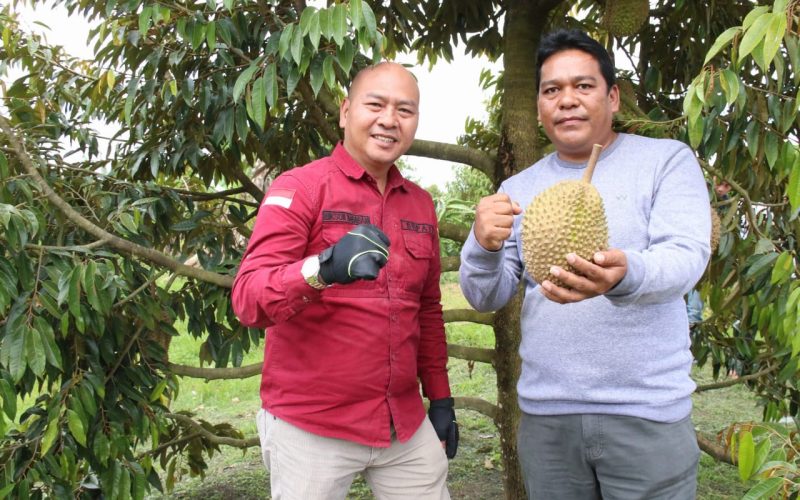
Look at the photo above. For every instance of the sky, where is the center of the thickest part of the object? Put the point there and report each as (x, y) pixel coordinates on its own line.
(449, 92)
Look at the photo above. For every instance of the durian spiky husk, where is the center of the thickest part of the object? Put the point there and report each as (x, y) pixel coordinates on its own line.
(625, 17)
(565, 218)
(716, 229)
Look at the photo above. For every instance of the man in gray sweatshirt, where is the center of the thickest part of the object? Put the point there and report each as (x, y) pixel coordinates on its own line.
(605, 387)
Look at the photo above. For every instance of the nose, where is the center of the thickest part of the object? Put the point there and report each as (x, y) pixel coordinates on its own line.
(388, 117)
(567, 98)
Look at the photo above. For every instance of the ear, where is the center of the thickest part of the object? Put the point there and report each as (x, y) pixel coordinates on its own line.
(613, 96)
(343, 109)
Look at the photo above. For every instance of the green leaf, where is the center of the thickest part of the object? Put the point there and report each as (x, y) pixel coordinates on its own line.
(49, 436)
(306, 19)
(314, 32)
(211, 35)
(765, 489)
(754, 35)
(90, 287)
(286, 40)
(793, 187)
(761, 263)
(325, 22)
(356, 13)
(51, 351)
(345, 55)
(243, 80)
(327, 71)
(270, 85)
(771, 149)
(732, 81)
(753, 15)
(696, 131)
(316, 75)
(228, 4)
(3, 166)
(722, 40)
(14, 342)
(369, 20)
(6, 490)
(774, 35)
(257, 110)
(74, 296)
(339, 23)
(35, 352)
(76, 428)
(292, 80)
(9, 399)
(780, 6)
(297, 45)
(130, 98)
(144, 19)
(746, 455)
(101, 448)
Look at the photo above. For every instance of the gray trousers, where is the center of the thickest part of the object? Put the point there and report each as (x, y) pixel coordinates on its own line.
(587, 457)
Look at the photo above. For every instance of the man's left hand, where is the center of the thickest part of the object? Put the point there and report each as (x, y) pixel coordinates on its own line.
(592, 278)
(443, 417)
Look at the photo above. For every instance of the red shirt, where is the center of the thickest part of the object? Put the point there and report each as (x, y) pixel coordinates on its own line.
(346, 362)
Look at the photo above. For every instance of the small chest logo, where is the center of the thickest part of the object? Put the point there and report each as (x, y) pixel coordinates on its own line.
(337, 217)
(416, 227)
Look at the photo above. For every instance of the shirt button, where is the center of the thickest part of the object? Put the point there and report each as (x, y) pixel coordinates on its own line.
(306, 299)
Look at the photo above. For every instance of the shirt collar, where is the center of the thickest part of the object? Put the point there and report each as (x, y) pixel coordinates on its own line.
(352, 169)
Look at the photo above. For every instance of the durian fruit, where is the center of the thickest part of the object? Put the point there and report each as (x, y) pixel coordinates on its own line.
(567, 217)
(625, 17)
(716, 228)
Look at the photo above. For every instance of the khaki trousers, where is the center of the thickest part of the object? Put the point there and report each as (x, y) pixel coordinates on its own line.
(305, 466)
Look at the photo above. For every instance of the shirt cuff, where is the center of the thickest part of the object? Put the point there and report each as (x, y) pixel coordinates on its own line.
(298, 293)
(624, 292)
(479, 257)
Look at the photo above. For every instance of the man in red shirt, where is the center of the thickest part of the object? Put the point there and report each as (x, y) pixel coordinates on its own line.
(343, 270)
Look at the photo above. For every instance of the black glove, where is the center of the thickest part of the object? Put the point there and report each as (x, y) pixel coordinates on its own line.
(443, 418)
(360, 254)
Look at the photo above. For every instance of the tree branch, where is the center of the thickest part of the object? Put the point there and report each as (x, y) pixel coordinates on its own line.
(452, 315)
(455, 232)
(717, 452)
(121, 244)
(451, 263)
(471, 353)
(236, 443)
(734, 381)
(455, 153)
(477, 404)
(215, 373)
(318, 111)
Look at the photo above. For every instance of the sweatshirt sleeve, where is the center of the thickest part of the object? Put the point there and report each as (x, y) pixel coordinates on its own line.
(679, 232)
(489, 279)
(269, 287)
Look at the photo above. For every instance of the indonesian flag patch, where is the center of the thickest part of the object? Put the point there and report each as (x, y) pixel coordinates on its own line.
(280, 197)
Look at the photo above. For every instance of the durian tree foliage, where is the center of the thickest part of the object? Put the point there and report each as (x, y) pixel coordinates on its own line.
(105, 250)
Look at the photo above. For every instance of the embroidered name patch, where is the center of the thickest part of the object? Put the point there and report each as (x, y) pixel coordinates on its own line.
(417, 227)
(280, 197)
(336, 217)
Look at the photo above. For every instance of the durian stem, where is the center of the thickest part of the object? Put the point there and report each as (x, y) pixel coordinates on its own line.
(587, 174)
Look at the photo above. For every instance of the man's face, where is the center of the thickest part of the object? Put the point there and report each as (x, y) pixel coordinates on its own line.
(575, 108)
(380, 116)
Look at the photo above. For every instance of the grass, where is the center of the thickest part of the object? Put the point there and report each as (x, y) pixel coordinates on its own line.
(474, 474)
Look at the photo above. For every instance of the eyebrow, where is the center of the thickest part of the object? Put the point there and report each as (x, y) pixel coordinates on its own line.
(402, 102)
(576, 78)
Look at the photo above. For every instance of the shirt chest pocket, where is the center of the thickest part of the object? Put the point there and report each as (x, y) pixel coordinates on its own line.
(416, 264)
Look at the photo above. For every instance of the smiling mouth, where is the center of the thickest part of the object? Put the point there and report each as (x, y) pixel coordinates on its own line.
(384, 139)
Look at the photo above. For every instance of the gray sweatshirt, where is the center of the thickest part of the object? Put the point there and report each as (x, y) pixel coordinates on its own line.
(627, 352)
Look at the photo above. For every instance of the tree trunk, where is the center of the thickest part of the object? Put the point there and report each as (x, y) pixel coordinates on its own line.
(519, 148)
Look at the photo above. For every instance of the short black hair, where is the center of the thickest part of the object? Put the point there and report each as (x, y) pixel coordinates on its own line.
(563, 39)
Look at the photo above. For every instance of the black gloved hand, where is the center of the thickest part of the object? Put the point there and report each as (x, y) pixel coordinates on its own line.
(443, 418)
(360, 254)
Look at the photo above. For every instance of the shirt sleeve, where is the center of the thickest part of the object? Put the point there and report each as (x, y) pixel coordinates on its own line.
(269, 287)
(679, 232)
(432, 353)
